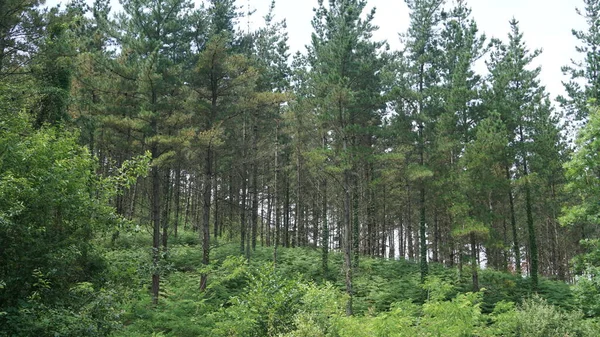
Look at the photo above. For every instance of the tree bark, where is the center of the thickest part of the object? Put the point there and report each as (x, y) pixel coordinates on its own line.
(513, 223)
(207, 196)
(155, 174)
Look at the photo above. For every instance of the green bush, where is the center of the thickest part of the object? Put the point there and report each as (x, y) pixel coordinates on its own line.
(266, 307)
(537, 318)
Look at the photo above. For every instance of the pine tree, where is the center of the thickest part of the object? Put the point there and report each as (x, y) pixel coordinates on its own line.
(345, 76)
(456, 124)
(152, 41)
(21, 26)
(423, 56)
(517, 96)
(583, 86)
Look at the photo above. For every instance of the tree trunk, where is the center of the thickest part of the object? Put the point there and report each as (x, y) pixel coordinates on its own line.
(347, 242)
(276, 194)
(216, 196)
(474, 274)
(422, 224)
(156, 227)
(325, 226)
(269, 216)
(347, 236)
(300, 230)
(254, 179)
(355, 224)
(207, 195)
(513, 223)
(409, 229)
(166, 210)
(177, 200)
(243, 225)
(286, 214)
(533, 251)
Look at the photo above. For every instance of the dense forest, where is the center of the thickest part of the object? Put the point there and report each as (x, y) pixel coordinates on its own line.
(167, 171)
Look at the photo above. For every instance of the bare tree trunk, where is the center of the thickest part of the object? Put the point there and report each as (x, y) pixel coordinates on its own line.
(155, 176)
(216, 196)
(324, 220)
(206, 215)
(276, 195)
(474, 274)
(177, 200)
(347, 236)
(409, 229)
(513, 223)
(286, 213)
(243, 225)
(166, 210)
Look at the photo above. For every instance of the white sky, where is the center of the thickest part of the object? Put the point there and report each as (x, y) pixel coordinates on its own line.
(546, 25)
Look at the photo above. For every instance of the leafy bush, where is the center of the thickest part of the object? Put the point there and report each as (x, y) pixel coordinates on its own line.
(90, 313)
(537, 318)
(266, 307)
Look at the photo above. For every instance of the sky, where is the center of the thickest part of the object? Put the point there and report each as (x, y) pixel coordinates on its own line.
(546, 25)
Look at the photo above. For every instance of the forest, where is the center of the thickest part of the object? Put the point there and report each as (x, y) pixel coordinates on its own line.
(167, 171)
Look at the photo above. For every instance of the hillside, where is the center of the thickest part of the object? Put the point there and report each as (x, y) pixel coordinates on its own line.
(292, 298)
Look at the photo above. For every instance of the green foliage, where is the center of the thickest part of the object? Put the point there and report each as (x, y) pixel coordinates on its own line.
(582, 172)
(366, 133)
(266, 307)
(52, 206)
(587, 286)
(535, 317)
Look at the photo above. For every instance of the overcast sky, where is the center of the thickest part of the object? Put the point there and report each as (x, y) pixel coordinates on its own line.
(546, 25)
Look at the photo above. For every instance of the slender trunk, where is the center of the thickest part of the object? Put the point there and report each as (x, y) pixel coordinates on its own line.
(188, 202)
(166, 210)
(409, 229)
(216, 198)
(513, 223)
(422, 229)
(177, 200)
(401, 240)
(372, 246)
(504, 250)
(243, 213)
(262, 226)
(557, 260)
(155, 212)
(474, 274)
(156, 227)
(422, 224)
(286, 214)
(299, 201)
(325, 227)
(315, 221)
(347, 235)
(207, 195)
(232, 202)
(254, 179)
(533, 251)
(243, 225)
(269, 216)
(347, 242)
(355, 224)
(276, 194)
(391, 237)
(384, 229)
